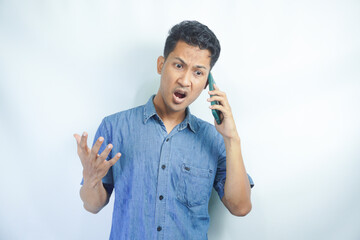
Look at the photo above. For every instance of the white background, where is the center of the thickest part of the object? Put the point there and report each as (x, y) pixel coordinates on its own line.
(291, 72)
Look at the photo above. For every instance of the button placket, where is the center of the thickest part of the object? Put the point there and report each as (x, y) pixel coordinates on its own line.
(162, 180)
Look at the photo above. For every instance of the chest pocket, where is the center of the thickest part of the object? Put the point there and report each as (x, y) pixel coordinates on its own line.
(194, 185)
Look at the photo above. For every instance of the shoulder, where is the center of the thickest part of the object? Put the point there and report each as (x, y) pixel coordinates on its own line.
(210, 137)
(206, 129)
(132, 112)
(123, 118)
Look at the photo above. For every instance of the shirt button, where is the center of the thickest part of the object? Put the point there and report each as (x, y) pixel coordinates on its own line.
(167, 139)
(161, 197)
(159, 228)
(163, 166)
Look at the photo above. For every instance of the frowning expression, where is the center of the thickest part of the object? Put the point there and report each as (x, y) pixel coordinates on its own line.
(183, 75)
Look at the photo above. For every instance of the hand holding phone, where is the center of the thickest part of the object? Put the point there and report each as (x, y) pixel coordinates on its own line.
(216, 113)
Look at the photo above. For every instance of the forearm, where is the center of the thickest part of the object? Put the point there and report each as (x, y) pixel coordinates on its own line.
(94, 196)
(237, 187)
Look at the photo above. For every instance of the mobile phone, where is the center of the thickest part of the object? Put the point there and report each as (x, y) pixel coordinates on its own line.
(215, 113)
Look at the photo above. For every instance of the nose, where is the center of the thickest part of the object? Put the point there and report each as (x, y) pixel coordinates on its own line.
(185, 79)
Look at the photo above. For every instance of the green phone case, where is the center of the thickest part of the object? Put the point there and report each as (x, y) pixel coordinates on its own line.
(216, 113)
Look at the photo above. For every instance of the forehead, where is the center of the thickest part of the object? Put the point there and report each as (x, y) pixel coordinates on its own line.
(191, 54)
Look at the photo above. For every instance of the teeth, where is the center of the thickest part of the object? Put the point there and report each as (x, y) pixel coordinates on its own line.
(179, 95)
(180, 92)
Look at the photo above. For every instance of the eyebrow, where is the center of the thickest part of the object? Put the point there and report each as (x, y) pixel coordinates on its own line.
(197, 66)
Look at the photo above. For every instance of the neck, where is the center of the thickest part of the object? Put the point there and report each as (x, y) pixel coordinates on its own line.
(165, 113)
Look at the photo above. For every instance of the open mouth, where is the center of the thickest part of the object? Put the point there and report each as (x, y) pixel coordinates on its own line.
(180, 95)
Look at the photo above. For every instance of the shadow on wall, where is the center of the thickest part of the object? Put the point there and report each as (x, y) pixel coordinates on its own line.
(143, 77)
(217, 216)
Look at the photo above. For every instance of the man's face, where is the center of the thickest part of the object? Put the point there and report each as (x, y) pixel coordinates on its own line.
(183, 75)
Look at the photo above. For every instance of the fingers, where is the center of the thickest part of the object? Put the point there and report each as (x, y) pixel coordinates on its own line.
(112, 161)
(215, 87)
(104, 154)
(77, 138)
(95, 148)
(215, 98)
(222, 100)
(218, 107)
(94, 152)
(217, 93)
(83, 141)
(225, 110)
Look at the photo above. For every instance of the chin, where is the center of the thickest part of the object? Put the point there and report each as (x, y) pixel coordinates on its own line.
(177, 107)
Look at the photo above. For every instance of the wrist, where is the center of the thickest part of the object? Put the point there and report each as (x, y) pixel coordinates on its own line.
(90, 182)
(91, 185)
(232, 139)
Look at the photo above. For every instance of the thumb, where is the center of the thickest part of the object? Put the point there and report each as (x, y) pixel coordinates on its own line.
(77, 138)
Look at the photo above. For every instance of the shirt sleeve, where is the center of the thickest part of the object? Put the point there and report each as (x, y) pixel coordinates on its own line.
(102, 131)
(220, 177)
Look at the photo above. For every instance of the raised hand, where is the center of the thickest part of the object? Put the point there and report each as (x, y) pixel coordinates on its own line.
(227, 128)
(95, 166)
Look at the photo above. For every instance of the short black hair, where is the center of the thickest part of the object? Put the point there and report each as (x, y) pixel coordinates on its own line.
(194, 34)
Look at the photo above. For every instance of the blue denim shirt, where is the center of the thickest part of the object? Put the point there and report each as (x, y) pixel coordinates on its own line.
(162, 181)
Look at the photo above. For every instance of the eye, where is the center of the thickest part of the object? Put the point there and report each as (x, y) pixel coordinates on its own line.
(198, 73)
(177, 65)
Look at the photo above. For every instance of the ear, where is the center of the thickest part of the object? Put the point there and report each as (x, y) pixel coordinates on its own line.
(160, 64)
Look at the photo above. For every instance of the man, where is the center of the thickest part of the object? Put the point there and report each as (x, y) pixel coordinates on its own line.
(170, 160)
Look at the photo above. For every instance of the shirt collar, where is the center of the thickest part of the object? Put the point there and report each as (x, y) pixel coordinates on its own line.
(149, 111)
